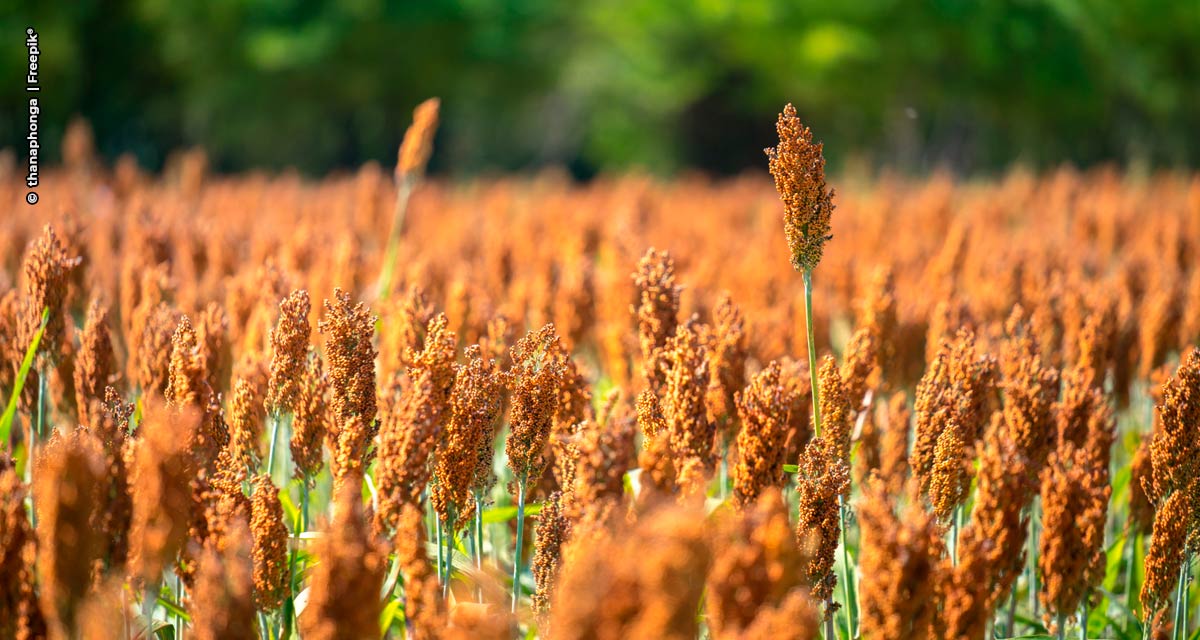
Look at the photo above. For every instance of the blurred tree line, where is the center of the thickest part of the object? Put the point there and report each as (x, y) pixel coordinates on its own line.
(973, 85)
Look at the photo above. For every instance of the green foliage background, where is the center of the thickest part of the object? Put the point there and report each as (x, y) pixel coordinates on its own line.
(974, 85)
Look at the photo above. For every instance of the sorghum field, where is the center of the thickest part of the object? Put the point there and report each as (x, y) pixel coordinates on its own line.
(376, 405)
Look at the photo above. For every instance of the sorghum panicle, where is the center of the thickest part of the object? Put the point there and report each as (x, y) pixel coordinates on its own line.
(798, 166)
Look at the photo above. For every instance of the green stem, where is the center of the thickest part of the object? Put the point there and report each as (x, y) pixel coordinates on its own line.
(275, 420)
(516, 585)
(1183, 596)
(35, 436)
(1061, 623)
(1180, 601)
(1034, 604)
(449, 558)
(1084, 610)
(304, 505)
(954, 523)
(829, 634)
(1011, 628)
(41, 404)
(403, 190)
(437, 525)
(479, 541)
(1131, 541)
(851, 605)
(812, 352)
(178, 598)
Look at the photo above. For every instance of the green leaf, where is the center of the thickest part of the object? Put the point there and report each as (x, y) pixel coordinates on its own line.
(391, 613)
(791, 468)
(496, 515)
(10, 412)
(174, 608)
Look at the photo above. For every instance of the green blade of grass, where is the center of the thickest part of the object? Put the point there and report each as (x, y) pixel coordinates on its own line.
(10, 412)
(174, 608)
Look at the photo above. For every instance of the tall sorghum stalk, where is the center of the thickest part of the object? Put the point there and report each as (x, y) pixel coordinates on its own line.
(478, 540)
(1183, 596)
(275, 420)
(851, 603)
(1180, 618)
(437, 539)
(798, 166)
(35, 434)
(449, 535)
(812, 351)
(410, 168)
(516, 586)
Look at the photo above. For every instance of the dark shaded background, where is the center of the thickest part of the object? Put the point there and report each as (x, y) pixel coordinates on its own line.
(972, 85)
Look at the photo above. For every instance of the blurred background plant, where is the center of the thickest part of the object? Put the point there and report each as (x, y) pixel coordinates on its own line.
(593, 85)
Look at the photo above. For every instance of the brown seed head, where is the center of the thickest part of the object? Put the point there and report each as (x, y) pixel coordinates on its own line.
(656, 597)
(553, 531)
(1030, 390)
(186, 384)
(94, 366)
(1141, 510)
(418, 141)
(347, 450)
(760, 442)
(901, 553)
(212, 332)
(950, 478)
(271, 584)
(533, 381)
(793, 375)
(289, 348)
(605, 453)
(102, 614)
(837, 413)
(823, 478)
(998, 527)
(860, 371)
(160, 485)
(756, 564)
(421, 591)
(688, 427)
(310, 422)
(350, 357)
(20, 612)
(222, 599)
(1175, 449)
(46, 270)
(155, 349)
(246, 423)
(656, 311)
(796, 618)
(893, 443)
(1166, 552)
(66, 492)
(798, 166)
(344, 593)
(727, 352)
(407, 439)
(1063, 556)
(466, 449)
(405, 321)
